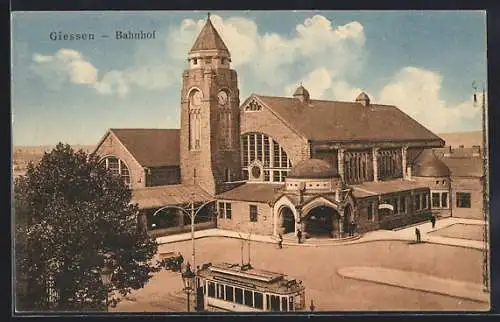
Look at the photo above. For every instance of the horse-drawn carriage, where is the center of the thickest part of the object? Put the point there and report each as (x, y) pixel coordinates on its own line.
(172, 260)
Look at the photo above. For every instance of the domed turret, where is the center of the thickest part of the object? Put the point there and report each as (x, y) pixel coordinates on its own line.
(301, 93)
(363, 99)
(313, 169)
(428, 165)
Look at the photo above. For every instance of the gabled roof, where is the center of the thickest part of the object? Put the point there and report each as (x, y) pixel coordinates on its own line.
(209, 39)
(151, 147)
(320, 120)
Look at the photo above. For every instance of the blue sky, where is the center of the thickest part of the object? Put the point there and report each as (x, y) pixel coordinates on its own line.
(73, 91)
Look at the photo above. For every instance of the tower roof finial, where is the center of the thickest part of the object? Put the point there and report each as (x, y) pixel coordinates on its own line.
(209, 39)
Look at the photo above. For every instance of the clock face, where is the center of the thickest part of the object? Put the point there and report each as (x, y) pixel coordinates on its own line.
(222, 97)
(197, 98)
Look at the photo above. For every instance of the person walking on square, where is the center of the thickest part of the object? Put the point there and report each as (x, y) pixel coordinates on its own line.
(433, 221)
(299, 235)
(280, 241)
(417, 233)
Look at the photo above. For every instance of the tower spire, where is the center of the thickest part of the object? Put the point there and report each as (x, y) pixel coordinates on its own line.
(209, 39)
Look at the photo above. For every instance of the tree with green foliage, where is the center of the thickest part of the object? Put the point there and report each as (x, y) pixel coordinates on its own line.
(72, 218)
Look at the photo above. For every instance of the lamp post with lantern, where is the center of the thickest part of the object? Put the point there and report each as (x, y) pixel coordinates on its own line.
(486, 284)
(188, 280)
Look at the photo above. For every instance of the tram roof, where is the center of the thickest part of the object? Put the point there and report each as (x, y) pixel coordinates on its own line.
(249, 277)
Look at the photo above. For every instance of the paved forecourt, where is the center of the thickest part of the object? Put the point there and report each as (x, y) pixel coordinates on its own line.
(417, 281)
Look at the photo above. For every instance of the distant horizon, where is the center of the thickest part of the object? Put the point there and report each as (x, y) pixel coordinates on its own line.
(95, 144)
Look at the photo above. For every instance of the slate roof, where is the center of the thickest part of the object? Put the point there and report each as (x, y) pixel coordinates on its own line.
(209, 39)
(321, 120)
(151, 147)
(252, 192)
(156, 197)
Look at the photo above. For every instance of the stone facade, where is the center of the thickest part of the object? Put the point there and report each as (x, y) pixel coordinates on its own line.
(206, 166)
(160, 176)
(266, 122)
(438, 186)
(111, 146)
(240, 218)
(472, 186)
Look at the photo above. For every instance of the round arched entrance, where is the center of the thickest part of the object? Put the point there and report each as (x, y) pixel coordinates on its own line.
(287, 220)
(321, 221)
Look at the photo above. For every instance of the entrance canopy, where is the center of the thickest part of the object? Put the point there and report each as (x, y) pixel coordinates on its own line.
(368, 189)
(157, 197)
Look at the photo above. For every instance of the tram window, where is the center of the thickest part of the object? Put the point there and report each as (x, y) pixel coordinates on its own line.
(275, 303)
(258, 300)
(290, 303)
(229, 293)
(220, 293)
(268, 302)
(211, 289)
(284, 304)
(248, 298)
(238, 295)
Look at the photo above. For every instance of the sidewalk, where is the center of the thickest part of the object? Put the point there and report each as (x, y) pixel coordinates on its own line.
(417, 281)
(402, 234)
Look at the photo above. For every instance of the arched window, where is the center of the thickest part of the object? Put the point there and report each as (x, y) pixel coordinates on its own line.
(225, 123)
(195, 98)
(227, 175)
(118, 168)
(261, 151)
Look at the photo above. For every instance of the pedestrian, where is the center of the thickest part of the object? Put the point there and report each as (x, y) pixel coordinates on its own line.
(417, 233)
(280, 241)
(433, 221)
(299, 235)
(312, 307)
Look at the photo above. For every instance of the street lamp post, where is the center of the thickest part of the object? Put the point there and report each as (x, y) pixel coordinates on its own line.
(191, 211)
(106, 276)
(188, 279)
(486, 286)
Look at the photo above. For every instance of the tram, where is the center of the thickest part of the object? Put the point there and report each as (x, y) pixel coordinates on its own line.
(235, 288)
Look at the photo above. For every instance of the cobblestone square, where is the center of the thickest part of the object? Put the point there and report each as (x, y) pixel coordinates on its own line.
(462, 231)
(318, 268)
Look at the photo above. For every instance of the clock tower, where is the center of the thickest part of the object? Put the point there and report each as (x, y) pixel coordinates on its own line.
(210, 119)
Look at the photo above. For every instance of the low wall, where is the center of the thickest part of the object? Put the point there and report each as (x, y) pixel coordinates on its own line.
(181, 229)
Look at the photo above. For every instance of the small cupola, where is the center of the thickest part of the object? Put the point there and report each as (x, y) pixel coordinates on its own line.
(302, 94)
(363, 99)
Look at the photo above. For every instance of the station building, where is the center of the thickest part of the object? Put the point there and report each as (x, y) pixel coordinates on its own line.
(276, 165)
